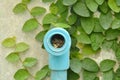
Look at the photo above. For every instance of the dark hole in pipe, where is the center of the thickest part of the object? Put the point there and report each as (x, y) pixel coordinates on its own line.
(57, 41)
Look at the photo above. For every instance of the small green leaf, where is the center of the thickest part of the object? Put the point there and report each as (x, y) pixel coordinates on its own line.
(107, 65)
(81, 9)
(92, 5)
(9, 42)
(72, 19)
(106, 20)
(48, 1)
(21, 47)
(117, 54)
(118, 2)
(53, 8)
(93, 67)
(61, 25)
(107, 45)
(21, 74)
(13, 57)
(26, 1)
(42, 73)
(116, 24)
(72, 76)
(37, 11)
(29, 62)
(100, 2)
(112, 34)
(49, 18)
(75, 65)
(30, 25)
(88, 75)
(40, 36)
(104, 7)
(69, 2)
(97, 27)
(112, 4)
(87, 24)
(19, 8)
(108, 75)
(96, 40)
(97, 78)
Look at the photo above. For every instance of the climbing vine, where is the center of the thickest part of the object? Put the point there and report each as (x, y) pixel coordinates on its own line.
(92, 24)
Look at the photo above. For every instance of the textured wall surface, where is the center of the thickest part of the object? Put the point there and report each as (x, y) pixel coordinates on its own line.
(10, 25)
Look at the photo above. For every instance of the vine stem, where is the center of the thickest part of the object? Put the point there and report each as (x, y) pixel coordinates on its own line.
(25, 67)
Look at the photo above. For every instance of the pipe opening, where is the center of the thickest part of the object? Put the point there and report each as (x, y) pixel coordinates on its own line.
(57, 41)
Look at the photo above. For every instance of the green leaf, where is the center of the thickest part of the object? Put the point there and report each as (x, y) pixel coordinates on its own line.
(53, 8)
(118, 2)
(30, 25)
(49, 18)
(108, 75)
(37, 11)
(87, 24)
(100, 2)
(116, 24)
(26, 1)
(21, 74)
(93, 67)
(72, 76)
(20, 8)
(112, 4)
(9, 42)
(69, 2)
(81, 9)
(61, 25)
(75, 65)
(96, 40)
(107, 45)
(87, 50)
(104, 7)
(42, 73)
(30, 62)
(88, 75)
(92, 5)
(97, 78)
(13, 57)
(72, 19)
(83, 38)
(106, 20)
(21, 47)
(48, 1)
(112, 34)
(107, 65)
(117, 54)
(40, 36)
(117, 73)
(97, 27)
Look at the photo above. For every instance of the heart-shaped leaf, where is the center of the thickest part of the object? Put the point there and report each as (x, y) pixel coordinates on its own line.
(19, 8)
(81, 9)
(29, 62)
(93, 67)
(37, 11)
(21, 47)
(106, 20)
(21, 74)
(92, 5)
(107, 65)
(30, 25)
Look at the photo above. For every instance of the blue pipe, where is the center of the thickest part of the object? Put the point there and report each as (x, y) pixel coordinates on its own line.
(58, 57)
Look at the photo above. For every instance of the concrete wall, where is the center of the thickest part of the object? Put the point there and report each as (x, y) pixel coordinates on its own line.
(10, 25)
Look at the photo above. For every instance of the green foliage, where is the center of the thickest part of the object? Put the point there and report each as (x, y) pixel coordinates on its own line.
(30, 25)
(29, 62)
(108, 75)
(13, 57)
(21, 74)
(19, 8)
(26, 1)
(69, 2)
(36, 11)
(21, 47)
(107, 65)
(42, 73)
(9, 42)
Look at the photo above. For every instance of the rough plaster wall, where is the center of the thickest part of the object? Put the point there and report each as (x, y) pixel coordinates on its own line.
(10, 25)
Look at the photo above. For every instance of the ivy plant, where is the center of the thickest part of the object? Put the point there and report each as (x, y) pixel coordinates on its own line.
(92, 24)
